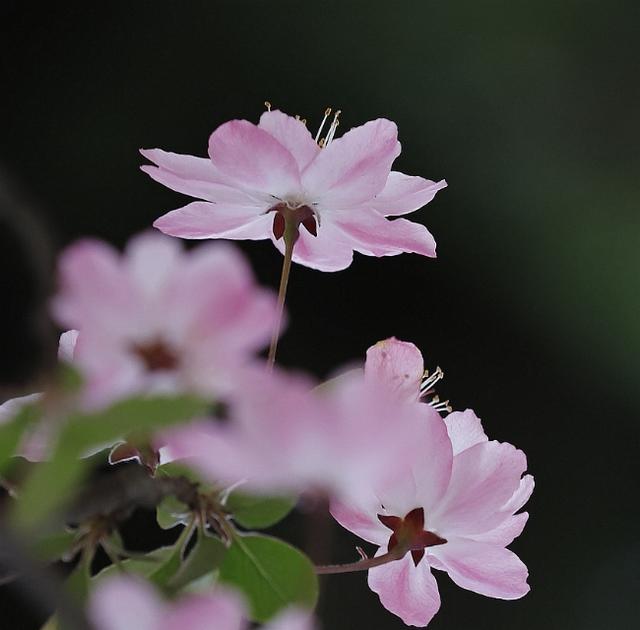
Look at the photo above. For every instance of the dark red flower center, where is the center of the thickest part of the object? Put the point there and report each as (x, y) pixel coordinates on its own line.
(156, 356)
(409, 534)
(302, 215)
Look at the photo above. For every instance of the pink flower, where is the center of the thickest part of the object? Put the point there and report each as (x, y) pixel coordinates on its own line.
(451, 508)
(283, 437)
(124, 603)
(340, 194)
(35, 444)
(158, 319)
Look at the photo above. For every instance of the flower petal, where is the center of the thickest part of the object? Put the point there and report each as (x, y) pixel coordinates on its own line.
(405, 193)
(184, 166)
(521, 495)
(483, 568)
(67, 345)
(221, 609)
(201, 220)
(362, 519)
(328, 251)
(483, 479)
(465, 430)
(353, 168)
(505, 533)
(397, 365)
(406, 590)
(371, 234)
(250, 157)
(124, 602)
(292, 134)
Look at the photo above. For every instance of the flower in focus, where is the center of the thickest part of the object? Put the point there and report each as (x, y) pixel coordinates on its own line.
(124, 603)
(451, 508)
(35, 445)
(338, 189)
(157, 319)
(283, 437)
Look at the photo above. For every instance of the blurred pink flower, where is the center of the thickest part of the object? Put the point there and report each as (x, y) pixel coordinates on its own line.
(158, 319)
(340, 194)
(451, 508)
(283, 437)
(125, 603)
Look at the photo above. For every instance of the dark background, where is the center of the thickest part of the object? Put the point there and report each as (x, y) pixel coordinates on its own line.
(529, 109)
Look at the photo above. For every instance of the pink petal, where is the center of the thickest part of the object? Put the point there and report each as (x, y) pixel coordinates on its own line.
(397, 365)
(252, 158)
(373, 235)
(125, 602)
(483, 568)
(407, 591)
(210, 191)
(92, 287)
(362, 519)
(483, 478)
(222, 609)
(292, 619)
(405, 193)
(292, 134)
(505, 533)
(328, 251)
(521, 495)
(67, 345)
(184, 166)
(202, 220)
(353, 168)
(465, 430)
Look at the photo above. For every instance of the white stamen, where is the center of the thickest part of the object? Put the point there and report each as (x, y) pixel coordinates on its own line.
(327, 113)
(332, 130)
(430, 381)
(441, 407)
(267, 104)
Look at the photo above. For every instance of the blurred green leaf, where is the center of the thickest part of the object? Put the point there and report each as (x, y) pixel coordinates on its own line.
(52, 482)
(258, 512)
(205, 557)
(271, 573)
(55, 545)
(11, 433)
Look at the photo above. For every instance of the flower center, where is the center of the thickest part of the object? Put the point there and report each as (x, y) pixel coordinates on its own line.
(301, 214)
(156, 356)
(409, 534)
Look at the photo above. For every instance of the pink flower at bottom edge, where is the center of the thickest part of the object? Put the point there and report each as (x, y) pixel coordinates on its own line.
(339, 195)
(127, 603)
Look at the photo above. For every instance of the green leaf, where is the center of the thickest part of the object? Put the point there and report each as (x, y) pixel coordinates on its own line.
(272, 575)
(161, 576)
(77, 582)
(143, 565)
(11, 433)
(258, 512)
(205, 557)
(134, 415)
(52, 483)
(171, 512)
(55, 545)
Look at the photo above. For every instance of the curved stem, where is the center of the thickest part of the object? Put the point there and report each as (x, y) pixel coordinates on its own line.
(290, 234)
(361, 565)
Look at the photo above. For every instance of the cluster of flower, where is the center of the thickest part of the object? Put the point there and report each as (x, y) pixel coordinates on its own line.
(425, 486)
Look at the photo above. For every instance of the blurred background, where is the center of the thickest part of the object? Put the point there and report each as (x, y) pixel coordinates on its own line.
(530, 110)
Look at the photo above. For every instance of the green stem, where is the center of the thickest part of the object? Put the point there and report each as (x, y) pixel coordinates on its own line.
(290, 237)
(361, 565)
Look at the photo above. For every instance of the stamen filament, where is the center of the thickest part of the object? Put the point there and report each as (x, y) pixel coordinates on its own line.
(327, 113)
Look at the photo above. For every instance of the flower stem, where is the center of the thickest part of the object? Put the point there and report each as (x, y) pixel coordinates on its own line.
(290, 237)
(361, 565)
